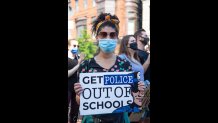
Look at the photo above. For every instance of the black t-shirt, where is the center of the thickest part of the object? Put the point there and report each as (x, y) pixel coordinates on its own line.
(72, 79)
(143, 57)
(90, 66)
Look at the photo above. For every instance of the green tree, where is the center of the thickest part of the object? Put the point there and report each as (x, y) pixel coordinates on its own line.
(86, 45)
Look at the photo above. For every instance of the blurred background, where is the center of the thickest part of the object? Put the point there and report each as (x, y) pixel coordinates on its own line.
(133, 15)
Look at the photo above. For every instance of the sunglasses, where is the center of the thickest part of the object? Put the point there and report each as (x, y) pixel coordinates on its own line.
(112, 35)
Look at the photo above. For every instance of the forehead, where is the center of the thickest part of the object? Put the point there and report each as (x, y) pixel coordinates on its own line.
(131, 38)
(107, 29)
(143, 34)
(74, 42)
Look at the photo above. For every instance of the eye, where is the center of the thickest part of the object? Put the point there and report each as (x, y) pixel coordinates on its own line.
(113, 35)
(103, 34)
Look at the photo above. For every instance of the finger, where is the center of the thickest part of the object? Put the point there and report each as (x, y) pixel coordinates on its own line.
(141, 88)
(78, 90)
(77, 87)
(77, 84)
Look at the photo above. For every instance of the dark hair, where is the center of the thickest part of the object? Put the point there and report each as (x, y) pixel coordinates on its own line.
(123, 47)
(101, 18)
(134, 85)
(139, 32)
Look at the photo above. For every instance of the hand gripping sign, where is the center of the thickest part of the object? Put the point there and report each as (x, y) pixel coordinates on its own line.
(109, 92)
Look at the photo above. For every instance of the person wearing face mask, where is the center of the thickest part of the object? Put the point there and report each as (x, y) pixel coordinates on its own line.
(74, 52)
(143, 46)
(128, 51)
(73, 65)
(106, 29)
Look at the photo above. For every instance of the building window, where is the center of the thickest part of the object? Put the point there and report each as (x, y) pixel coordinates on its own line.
(70, 9)
(80, 26)
(85, 4)
(80, 29)
(131, 27)
(93, 19)
(77, 5)
(93, 3)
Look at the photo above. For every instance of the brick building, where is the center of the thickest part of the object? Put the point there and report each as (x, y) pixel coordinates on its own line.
(82, 12)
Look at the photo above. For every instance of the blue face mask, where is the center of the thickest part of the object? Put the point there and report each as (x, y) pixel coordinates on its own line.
(74, 50)
(107, 45)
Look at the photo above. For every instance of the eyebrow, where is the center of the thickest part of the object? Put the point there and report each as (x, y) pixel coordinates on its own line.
(108, 32)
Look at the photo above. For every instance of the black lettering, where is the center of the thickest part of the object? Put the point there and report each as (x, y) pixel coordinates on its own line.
(84, 93)
(93, 79)
(85, 82)
(127, 90)
(98, 92)
(117, 103)
(107, 91)
(99, 78)
(129, 102)
(122, 103)
(100, 105)
(107, 103)
(84, 105)
(91, 105)
(115, 92)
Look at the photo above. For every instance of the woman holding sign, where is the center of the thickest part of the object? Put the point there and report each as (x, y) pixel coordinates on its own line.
(128, 51)
(128, 48)
(73, 65)
(106, 29)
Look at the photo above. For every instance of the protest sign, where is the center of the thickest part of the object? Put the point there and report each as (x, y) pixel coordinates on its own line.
(108, 92)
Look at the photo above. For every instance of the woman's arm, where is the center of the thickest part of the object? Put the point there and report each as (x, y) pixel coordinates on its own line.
(146, 64)
(78, 90)
(73, 70)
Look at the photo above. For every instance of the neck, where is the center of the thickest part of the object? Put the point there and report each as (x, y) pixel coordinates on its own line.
(70, 55)
(131, 53)
(105, 56)
(140, 45)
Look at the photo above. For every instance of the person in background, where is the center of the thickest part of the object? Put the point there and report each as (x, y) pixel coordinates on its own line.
(143, 52)
(143, 45)
(128, 51)
(73, 65)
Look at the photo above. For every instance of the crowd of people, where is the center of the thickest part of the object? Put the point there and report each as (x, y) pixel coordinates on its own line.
(134, 52)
